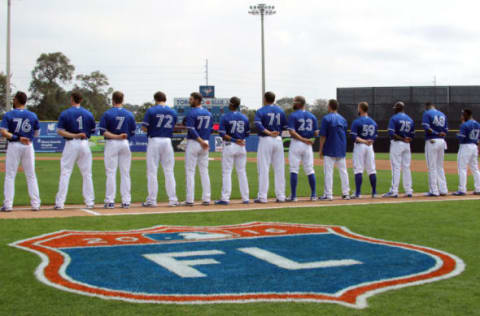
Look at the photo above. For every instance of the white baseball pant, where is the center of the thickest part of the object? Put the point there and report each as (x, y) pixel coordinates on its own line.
(468, 157)
(299, 152)
(400, 159)
(328, 165)
(194, 154)
(18, 153)
(234, 154)
(434, 154)
(270, 151)
(160, 150)
(76, 151)
(363, 159)
(117, 154)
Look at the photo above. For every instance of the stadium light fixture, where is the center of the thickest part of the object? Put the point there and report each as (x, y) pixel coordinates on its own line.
(262, 10)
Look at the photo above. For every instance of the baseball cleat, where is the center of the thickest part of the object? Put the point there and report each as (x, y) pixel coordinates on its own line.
(221, 202)
(430, 194)
(292, 199)
(259, 201)
(206, 203)
(279, 201)
(443, 194)
(36, 209)
(476, 193)
(313, 198)
(58, 208)
(374, 195)
(325, 198)
(409, 195)
(390, 195)
(5, 209)
(173, 204)
(125, 205)
(89, 207)
(148, 204)
(109, 205)
(187, 203)
(458, 193)
(355, 197)
(346, 197)
(246, 202)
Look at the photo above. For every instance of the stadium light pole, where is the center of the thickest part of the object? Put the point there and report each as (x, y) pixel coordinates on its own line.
(262, 9)
(7, 85)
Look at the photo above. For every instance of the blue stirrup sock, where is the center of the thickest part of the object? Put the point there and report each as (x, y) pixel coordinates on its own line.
(358, 183)
(293, 184)
(373, 182)
(313, 184)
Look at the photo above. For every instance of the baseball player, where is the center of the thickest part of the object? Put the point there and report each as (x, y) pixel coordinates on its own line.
(270, 121)
(199, 122)
(469, 137)
(401, 130)
(234, 129)
(19, 126)
(436, 127)
(333, 149)
(117, 125)
(303, 126)
(158, 123)
(364, 133)
(75, 125)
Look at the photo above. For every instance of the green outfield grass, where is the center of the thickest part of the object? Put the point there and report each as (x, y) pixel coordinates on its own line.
(449, 226)
(48, 174)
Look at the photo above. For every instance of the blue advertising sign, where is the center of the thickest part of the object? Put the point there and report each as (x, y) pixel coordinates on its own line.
(207, 91)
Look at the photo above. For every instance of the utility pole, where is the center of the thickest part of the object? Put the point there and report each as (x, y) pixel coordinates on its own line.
(262, 10)
(7, 94)
(206, 72)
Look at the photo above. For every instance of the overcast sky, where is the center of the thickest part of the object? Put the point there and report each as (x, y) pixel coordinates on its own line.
(312, 47)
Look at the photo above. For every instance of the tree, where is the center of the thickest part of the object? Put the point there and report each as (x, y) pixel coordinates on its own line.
(95, 90)
(319, 108)
(251, 118)
(47, 94)
(138, 110)
(3, 92)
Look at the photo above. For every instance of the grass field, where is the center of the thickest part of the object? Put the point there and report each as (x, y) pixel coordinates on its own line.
(48, 174)
(449, 226)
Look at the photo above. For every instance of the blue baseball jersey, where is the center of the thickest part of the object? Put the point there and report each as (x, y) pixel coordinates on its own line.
(469, 132)
(402, 125)
(160, 121)
(365, 128)
(199, 122)
(235, 125)
(118, 121)
(304, 123)
(436, 121)
(21, 123)
(270, 117)
(77, 120)
(334, 129)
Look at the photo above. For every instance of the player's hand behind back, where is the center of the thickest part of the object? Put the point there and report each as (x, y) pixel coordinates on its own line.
(25, 140)
(123, 136)
(240, 142)
(81, 136)
(204, 145)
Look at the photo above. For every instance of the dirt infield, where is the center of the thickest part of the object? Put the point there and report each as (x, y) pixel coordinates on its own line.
(417, 165)
(162, 208)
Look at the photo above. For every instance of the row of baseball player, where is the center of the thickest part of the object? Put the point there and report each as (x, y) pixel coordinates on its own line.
(76, 124)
